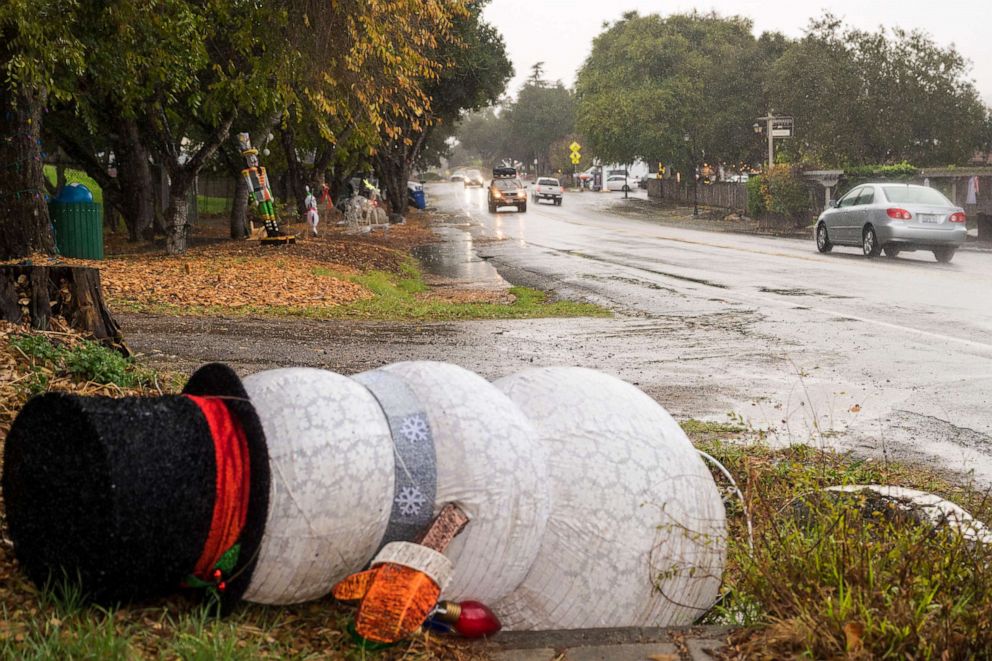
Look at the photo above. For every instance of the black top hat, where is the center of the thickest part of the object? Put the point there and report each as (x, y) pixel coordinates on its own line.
(119, 493)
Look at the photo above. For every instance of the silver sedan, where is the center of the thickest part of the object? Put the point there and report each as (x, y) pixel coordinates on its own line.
(894, 218)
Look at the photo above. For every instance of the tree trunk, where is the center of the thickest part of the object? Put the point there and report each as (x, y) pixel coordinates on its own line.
(295, 184)
(24, 223)
(239, 208)
(59, 178)
(58, 298)
(134, 175)
(394, 171)
(177, 213)
(182, 176)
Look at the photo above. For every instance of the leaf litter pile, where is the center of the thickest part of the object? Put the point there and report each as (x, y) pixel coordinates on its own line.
(216, 272)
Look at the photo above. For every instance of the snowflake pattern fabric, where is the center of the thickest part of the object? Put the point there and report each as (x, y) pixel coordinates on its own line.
(415, 457)
(410, 500)
(414, 429)
(331, 456)
(636, 515)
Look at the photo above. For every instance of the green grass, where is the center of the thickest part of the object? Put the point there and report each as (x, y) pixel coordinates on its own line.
(213, 205)
(394, 299)
(696, 428)
(58, 624)
(836, 576)
(77, 176)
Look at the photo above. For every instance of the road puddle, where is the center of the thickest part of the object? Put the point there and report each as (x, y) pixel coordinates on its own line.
(454, 258)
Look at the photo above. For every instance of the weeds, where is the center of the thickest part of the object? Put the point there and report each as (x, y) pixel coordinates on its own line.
(837, 575)
(81, 360)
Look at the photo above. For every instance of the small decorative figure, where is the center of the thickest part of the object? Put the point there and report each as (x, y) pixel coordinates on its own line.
(313, 216)
(258, 184)
(325, 197)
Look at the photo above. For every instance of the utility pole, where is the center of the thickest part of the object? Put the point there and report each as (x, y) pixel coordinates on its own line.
(771, 141)
(690, 141)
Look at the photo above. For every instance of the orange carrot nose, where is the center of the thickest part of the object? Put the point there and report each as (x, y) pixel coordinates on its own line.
(396, 603)
(404, 584)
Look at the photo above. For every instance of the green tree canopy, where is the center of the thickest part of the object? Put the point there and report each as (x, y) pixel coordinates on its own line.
(542, 114)
(877, 97)
(650, 81)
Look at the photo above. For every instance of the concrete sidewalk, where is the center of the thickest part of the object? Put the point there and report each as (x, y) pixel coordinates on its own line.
(623, 644)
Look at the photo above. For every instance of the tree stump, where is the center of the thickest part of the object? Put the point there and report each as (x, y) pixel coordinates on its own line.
(58, 297)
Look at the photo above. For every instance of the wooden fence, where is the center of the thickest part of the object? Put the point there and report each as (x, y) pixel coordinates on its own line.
(722, 195)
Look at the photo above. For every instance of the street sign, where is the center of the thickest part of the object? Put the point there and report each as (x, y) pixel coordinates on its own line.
(782, 127)
(576, 158)
(575, 147)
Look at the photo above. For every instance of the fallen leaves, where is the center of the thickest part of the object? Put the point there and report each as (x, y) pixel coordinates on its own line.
(217, 272)
(853, 632)
(273, 279)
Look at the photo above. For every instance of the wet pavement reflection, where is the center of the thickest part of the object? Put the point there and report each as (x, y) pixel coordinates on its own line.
(454, 258)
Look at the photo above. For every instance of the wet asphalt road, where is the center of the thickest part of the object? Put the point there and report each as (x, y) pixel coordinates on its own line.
(885, 357)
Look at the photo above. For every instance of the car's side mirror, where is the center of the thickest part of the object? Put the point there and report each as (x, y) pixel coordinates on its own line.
(833, 204)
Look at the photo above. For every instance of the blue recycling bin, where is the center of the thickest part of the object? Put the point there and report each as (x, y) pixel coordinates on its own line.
(416, 195)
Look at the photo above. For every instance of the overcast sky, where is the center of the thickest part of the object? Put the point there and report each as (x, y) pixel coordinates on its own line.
(560, 33)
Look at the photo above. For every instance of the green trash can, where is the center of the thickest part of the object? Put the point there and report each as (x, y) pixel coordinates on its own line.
(78, 222)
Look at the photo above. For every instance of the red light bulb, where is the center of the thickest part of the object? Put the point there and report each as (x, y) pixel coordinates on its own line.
(476, 620)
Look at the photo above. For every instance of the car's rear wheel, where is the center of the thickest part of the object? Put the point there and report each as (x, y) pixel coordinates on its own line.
(492, 208)
(558, 202)
(522, 208)
(822, 239)
(944, 255)
(891, 251)
(869, 242)
(626, 188)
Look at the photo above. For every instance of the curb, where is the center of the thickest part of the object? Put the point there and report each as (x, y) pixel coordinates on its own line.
(614, 644)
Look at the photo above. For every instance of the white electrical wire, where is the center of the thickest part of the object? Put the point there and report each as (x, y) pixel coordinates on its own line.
(740, 495)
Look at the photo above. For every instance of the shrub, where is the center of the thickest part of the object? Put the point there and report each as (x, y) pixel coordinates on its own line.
(897, 171)
(784, 192)
(755, 198)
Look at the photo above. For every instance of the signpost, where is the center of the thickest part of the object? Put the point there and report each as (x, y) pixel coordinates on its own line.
(775, 127)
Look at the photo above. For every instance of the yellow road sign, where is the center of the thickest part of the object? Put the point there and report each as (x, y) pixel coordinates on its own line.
(575, 146)
(576, 159)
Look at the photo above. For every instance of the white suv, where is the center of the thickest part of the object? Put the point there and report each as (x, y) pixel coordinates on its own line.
(546, 188)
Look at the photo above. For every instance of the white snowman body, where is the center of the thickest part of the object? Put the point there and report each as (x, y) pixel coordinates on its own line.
(588, 506)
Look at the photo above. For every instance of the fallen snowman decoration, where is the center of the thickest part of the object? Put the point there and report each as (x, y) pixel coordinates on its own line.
(559, 497)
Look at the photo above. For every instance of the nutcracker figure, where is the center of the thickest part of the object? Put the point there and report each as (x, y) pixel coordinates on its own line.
(258, 185)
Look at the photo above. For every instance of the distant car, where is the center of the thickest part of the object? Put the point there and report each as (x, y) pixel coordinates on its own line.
(547, 188)
(506, 190)
(474, 178)
(618, 182)
(457, 176)
(895, 218)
